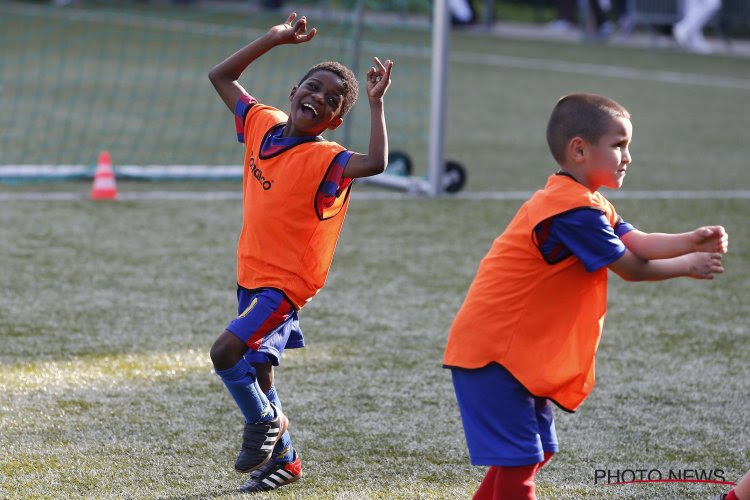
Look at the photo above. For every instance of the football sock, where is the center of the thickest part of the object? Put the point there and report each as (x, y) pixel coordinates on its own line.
(510, 482)
(241, 383)
(515, 483)
(731, 496)
(283, 451)
(487, 486)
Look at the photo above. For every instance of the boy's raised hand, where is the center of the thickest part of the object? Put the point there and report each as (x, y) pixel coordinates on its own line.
(710, 239)
(292, 31)
(379, 78)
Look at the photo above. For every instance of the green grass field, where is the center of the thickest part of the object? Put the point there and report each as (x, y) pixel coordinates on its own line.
(108, 310)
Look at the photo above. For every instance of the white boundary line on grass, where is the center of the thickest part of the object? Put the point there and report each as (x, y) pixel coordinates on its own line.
(736, 194)
(730, 194)
(602, 70)
(496, 60)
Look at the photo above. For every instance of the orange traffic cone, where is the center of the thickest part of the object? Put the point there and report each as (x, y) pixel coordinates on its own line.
(104, 187)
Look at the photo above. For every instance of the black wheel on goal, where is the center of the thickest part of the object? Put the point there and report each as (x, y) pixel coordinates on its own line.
(454, 177)
(399, 163)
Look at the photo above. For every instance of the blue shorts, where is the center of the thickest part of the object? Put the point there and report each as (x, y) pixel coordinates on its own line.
(267, 322)
(504, 424)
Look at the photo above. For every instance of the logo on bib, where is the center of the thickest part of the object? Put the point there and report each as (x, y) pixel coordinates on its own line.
(257, 174)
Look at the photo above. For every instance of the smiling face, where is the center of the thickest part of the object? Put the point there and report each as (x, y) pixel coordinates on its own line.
(316, 105)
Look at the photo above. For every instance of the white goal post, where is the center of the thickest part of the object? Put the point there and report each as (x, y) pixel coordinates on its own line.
(432, 186)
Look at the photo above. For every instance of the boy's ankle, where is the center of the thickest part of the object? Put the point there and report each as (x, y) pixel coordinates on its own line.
(286, 456)
(268, 415)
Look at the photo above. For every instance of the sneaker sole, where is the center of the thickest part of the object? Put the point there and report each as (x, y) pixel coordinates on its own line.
(282, 430)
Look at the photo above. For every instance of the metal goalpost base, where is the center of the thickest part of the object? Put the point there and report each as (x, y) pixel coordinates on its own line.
(453, 180)
(411, 185)
(398, 176)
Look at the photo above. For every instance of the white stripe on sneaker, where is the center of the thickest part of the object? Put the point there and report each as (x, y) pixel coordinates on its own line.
(270, 484)
(285, 474)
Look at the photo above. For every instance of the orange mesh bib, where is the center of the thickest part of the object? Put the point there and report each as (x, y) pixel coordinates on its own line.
(284, 243)
(542, 322)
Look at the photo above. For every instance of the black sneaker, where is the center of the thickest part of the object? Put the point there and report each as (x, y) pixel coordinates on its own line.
(258, 441)
(273, 475)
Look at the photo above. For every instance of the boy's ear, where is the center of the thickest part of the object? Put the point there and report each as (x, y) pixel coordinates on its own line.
(291, 94)
(577, 149)
(335, 123)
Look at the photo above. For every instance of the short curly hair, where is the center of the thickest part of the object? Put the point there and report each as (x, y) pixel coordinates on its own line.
(348, 80)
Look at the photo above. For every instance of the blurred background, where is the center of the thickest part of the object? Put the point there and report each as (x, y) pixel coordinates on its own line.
(129, 77)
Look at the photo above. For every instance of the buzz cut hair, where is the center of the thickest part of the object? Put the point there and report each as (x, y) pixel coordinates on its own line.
(583, 115)
(348, 81)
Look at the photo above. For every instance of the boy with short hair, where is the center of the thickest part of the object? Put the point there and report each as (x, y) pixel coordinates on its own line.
(528, 330)
(295, 195)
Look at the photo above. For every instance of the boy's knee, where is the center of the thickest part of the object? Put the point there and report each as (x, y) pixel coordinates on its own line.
(227, 351)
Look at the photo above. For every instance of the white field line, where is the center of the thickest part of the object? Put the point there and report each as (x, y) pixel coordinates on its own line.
(602, 70)
(736, 194)
(729, 194)
(496, 60)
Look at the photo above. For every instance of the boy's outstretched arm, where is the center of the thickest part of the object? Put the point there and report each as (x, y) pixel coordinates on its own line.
(224, 75)
(376, 159)
(698, 265)
(650, 246)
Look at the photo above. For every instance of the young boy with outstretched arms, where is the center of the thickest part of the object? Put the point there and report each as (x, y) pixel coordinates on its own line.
(528, 330)
(296, 189)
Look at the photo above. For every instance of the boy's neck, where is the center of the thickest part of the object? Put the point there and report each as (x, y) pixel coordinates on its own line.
(566, 174)
(289, 131)
(572, 173)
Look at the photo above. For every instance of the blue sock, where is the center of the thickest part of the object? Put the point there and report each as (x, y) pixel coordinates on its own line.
(283, 451)
(240, 381)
